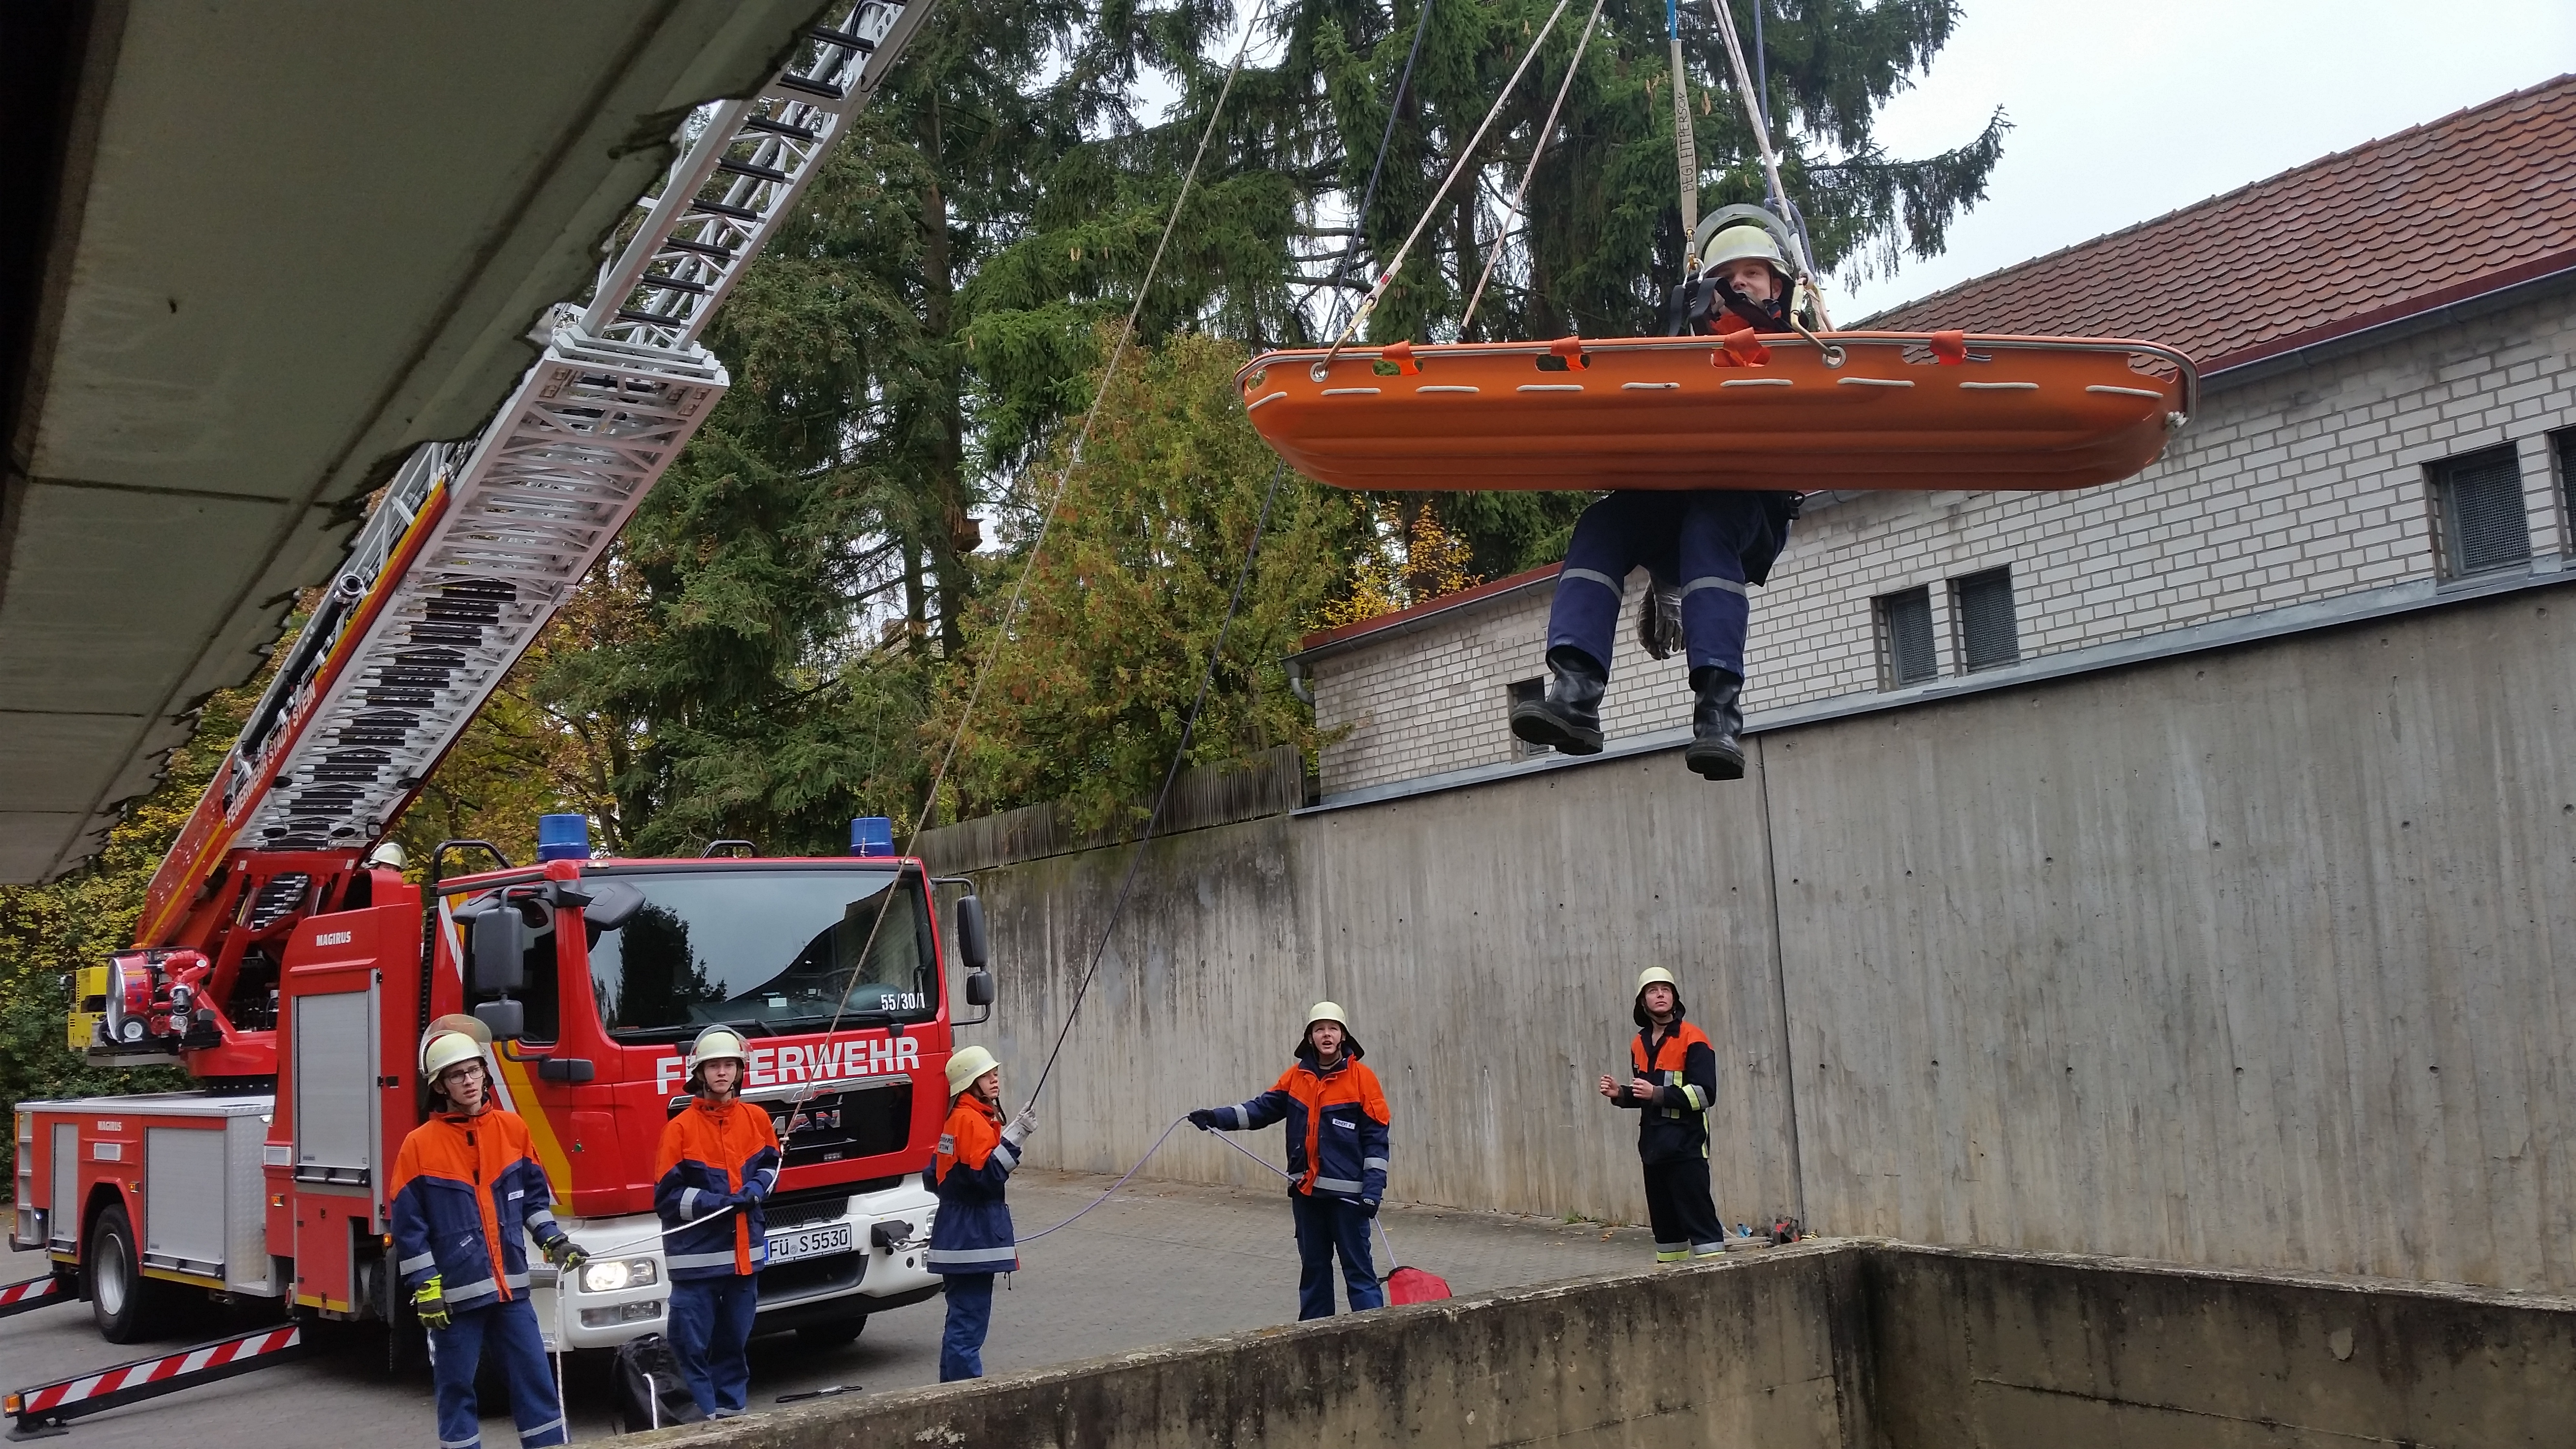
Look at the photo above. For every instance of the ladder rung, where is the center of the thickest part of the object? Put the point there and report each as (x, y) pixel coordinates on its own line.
(723, 208)
(755, 171)
(779, 128)
(698, 249)
(676, 284)
(824, 89)
(841, 38)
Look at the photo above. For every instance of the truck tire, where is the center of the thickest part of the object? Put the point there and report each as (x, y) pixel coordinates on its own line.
(127, 1305)
(838, 1333)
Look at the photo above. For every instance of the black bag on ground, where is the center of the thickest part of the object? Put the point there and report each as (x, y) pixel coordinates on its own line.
(649, 1391)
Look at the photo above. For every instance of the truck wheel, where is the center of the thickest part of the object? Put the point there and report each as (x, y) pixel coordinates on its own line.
(126, 1304)
(839, 1333)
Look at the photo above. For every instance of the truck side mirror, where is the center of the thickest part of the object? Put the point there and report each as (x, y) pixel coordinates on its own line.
(507, 1020)
(500, 951)
(971, 943)
(612, 905)
(979, 988)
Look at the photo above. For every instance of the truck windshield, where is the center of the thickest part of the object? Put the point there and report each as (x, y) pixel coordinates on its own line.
(763, 948)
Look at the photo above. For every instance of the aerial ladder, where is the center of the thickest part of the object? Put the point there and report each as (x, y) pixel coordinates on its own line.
(472, 548)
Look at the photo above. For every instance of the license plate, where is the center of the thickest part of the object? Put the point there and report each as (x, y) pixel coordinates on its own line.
(818, 1241)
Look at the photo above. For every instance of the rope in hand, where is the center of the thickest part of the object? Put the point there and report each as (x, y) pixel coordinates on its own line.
(1228, 1139)
(1002, 634)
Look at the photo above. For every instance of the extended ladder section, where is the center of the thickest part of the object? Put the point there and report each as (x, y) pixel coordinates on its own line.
(474, 546)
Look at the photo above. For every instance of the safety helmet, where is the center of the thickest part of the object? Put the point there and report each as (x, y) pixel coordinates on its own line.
(968, 1065)
(388, 855)
(1655, 976)
(716, 1044)
(447, 1049)
(1328, 1011)
(1735, 243)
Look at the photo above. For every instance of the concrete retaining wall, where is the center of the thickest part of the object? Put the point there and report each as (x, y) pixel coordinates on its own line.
(1825, 1346)
(2254, 957)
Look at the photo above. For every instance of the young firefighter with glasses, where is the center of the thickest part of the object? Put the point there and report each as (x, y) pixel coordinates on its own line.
(467, 1195)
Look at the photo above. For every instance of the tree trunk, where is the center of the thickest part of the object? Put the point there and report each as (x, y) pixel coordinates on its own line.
(945, 516)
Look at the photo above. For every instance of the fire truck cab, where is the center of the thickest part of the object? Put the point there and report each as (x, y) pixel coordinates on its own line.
(302, 1000)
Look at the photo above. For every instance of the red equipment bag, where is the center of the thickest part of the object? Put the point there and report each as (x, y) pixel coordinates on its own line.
(1412, 1285)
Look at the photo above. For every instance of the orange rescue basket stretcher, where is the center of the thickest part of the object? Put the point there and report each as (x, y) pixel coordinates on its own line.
(1843, 411)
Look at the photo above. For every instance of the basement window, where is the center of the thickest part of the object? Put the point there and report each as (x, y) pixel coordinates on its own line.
(1989, 636)
(2562, 444)
(1524, 692)
(2479, 512)
(1905, 652)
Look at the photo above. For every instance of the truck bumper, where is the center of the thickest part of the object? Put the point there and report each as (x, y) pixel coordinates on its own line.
(883, 1269)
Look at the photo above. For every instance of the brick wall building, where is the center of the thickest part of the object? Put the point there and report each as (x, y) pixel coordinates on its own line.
(2387, 339)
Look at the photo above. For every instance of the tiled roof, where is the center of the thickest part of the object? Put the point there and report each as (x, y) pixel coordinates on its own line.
(2475, 201)
(1324, 638)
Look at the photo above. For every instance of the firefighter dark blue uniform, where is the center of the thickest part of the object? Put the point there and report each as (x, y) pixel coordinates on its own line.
(971, 1239)
(1706, 547)
(1680, 1066)
(1337, 1162)
(718, 1163)
(467, 1193)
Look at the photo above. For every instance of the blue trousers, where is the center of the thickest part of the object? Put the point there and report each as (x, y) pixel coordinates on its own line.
(510, 1330)
(970, 1316)
(710, 1323)
(1697, 540)
(1327, 1226)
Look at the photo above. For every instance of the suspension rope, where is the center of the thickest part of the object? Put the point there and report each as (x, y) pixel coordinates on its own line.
(1538, 148)
(1394, 108)
(1754, 113)
(1046, 518)
(1685, 135)
(1189, 728)
(1466, 155)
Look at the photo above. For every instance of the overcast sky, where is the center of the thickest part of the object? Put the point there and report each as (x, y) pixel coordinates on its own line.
(2124, 112)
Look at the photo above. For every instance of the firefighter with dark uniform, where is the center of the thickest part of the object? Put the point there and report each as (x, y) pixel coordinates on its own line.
(1337, 1157)
(970, 1239)
(467, 1195)
(1672, 1083)
(718, 1163)
(1703, 549)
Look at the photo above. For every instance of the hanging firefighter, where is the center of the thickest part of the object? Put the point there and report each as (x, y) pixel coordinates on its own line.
(1337, 1157)
(719, 1161)
(1703, 550)
(467, 1195)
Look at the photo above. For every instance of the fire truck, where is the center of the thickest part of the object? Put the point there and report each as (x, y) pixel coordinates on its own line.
(286, 964)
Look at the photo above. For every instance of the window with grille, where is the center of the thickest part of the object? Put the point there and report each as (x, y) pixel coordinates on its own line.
(1523, 692)
(2563, 443)
(1905, 651)
(1988, 635)
(2484, 527)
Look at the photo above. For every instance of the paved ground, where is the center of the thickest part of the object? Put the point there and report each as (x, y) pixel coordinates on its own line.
(1158, 1262)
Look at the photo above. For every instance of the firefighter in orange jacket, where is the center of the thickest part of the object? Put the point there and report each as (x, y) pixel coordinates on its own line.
(467, 1194)
(971, 1238)
(718, 1163)
(1672, 1084)
(1337, 1157)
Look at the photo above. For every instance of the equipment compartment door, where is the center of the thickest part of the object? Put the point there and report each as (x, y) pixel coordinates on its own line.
(184, 1201)
(63, 1214)
(335, 1078)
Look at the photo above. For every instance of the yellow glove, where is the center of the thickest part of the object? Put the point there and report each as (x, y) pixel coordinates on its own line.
(563, 1254)
(429, 1304)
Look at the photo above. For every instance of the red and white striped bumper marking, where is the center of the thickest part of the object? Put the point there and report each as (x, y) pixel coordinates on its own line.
(34, 1293)
(152, 1370)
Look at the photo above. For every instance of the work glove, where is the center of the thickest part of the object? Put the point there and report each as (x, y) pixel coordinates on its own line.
(1022, 1128)
(429, 1304)
(564, 1253)
(1203, 1118)
(1368, 1207)
(1659, 621)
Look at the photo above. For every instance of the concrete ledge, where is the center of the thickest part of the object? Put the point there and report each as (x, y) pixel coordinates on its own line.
(1852, 1344)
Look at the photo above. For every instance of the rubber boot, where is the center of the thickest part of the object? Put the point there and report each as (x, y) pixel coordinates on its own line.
(1568, 720)
(1716, 749)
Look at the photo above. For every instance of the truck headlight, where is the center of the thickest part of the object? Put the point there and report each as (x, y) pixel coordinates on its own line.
(607, 1275)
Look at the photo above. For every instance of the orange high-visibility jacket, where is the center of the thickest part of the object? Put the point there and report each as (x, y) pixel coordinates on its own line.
(713, 1158)
(467, 1194)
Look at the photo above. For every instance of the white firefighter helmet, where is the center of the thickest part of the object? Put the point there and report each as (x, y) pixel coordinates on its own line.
(1735, 243)
(1329, 1011)
(1655, 976)
(389, 855)
(716, 1044)
(967, 1066)
(447, 1049)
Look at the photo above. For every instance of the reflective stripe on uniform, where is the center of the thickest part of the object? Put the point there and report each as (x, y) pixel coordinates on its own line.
(470, 1290)
(409, 1266)
(678, 1261)
(1377, 1162)
(474, 1443)
(1598, 577)
(1337, 1184)
(970, 1257)
(528, 1435)
(688, 1203)
(1707, 1250)
(540, 1220)
(517, 1280)
(1712, 582)
(1242, 1123)
(1690, 1095)
(1002, 1150)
